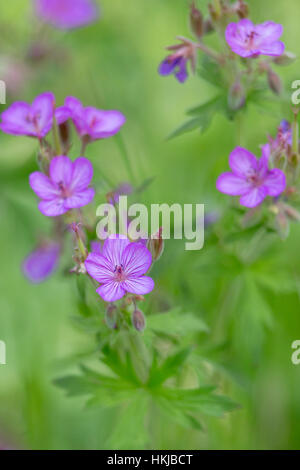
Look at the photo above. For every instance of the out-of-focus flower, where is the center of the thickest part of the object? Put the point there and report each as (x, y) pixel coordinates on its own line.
(283, 139)
(249, 40)
(66, 187)
(124, 189)
(33, 120)
(251, 178)
(176, 63)
(93, 123)
(42, 262)
(67, 14)
(120, 268)
(15, 73)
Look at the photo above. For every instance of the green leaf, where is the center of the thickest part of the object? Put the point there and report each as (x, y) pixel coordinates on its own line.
(175, 323)
(158, 374)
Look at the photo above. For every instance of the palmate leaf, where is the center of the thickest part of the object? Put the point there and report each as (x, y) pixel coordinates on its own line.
(174, 323)
(182, 405)
(202, 116)
(158, 374)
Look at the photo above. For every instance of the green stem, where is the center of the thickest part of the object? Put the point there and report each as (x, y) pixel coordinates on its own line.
(56, 137)
(124, 153)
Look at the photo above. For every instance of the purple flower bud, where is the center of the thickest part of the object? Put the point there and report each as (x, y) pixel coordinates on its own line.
(176, 63)
(196, 21)
(67, 14)
(42, 262)
(111, 316)
(138, 320)
(236, 96)
(274, 82)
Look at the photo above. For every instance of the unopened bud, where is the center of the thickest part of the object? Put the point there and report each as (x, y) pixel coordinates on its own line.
(283, 226)
(111, 316)
(292, 213)
(208, 26)
(155, 245)
(196, 21)
(286, 58)
(274, 81)
(236, 96)
(138, 320)
(242, 9)
(65, 136)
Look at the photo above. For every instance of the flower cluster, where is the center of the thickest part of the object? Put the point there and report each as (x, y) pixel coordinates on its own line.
(63, 187)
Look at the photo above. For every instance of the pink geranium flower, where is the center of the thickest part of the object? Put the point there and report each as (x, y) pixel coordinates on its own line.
(120, 268)
(94, 123)
(67, 14)
(251, 178)
(34, 120)
(249, 40)
(65, 188)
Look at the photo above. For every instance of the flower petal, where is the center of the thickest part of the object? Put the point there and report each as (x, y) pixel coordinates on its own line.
(242, 162)
(102, 123)
(43, 108)
(114, 247)
(275, 49)
(111, 291)
(182, 74)
(67, 14)
(269, 31)
(42, 186)
(139, 285)
(53, 208)
(82, 174)
(229, 183)
(62, 114)
(254, 197)
(136, 259)
(99, 268)
(61, 170)
(80, 198)
(15, 120)
(167, 66)
(275, 182)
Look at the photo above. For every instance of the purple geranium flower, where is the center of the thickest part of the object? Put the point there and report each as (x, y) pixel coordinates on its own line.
(67, 14)
(41, 263)
(120, 268)
(92, 122)
(33, 120)
(251, 178)
(65, 188)
(249, 40)
(176, 63)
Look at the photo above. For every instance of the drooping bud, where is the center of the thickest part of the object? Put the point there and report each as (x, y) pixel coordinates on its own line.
(111, 316)
(286, 58)
(242, 9)
(44, 156)
(65, 137)
(274, 81)
(196, 21)
(208, 26)
(138, 320)
(236, 96)
(155, 245)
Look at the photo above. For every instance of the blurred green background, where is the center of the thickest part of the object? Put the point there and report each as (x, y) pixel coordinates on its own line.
(113, 64)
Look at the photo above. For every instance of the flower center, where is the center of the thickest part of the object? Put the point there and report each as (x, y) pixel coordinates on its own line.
(119, 273)
(250, 39)
(254, 179)
(64, 191)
